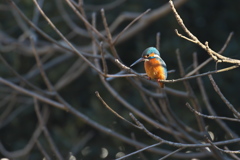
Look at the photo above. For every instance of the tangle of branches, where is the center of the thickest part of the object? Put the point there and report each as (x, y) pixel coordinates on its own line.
(167, 135)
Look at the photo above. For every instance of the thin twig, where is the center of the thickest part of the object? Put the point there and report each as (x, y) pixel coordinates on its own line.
(211, 117)
(209, 106)
(68, 21)
(229, 105)
(222, 150)
(170, 154)
(192, 38)
(64, 38)
(109, 35)
(22, 78)
(84, 20)
(158, 37)
(232, 154)
(174, 80)
(45, 130)
(226, 43)
(105, 68)
(129, 25)
(140, 150)
(191, 93)
(39, 64)
(114, 112)
(175, 144)
(42, 150)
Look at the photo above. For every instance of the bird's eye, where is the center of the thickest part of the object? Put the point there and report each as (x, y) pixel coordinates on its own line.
(147, 55)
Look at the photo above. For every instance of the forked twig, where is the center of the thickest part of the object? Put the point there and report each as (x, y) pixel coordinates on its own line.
(222, 150)
(192, 38)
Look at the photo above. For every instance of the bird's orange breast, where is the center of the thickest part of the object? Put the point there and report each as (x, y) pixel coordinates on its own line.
(154, 69)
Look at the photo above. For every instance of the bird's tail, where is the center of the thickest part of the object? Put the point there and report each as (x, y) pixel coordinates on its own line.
(161, 84)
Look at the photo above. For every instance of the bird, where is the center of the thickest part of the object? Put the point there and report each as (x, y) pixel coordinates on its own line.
(154, 65)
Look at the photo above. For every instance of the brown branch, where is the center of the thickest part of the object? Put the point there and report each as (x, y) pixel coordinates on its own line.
(74, 27)
(158, 37)
(189, 89)
(222, 150)
(232, 154)
(121, 65)
(114, 112)
(211, 117)
(175, 144)
(229, 105)
(129, 25)
(39, 64)
(226, 43)
(140, 150)
(22, 78)
(42, 150)
(45, 130)
(105, 68)
(170, 154)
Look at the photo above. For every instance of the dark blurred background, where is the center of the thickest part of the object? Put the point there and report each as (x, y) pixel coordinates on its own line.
(209, 20)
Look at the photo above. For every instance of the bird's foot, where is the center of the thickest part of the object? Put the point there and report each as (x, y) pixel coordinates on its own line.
(149, 78)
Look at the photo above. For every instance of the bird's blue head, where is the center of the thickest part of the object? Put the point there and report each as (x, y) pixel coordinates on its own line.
(149, 53)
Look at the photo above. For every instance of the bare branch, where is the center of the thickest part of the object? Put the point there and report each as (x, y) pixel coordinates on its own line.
(138, 151)
(129, 25)
(170, 154)
(230, 106)
(226, 43)
(222, 150)
(114, 112)
(192, 38)
(64, 38)
(45, 130)
(211, 117)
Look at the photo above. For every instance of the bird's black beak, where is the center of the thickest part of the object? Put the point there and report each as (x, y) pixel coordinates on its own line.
(137, 61)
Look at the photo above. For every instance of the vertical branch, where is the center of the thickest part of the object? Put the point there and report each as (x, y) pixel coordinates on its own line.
(192, 96)
(43, 151)
(105, 68)
(158, 38)
(39, 64)
(109, 35)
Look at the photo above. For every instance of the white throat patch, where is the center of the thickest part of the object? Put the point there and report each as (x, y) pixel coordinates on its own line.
(157, 56)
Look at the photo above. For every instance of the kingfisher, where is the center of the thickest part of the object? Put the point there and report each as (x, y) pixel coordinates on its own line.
(154, 65)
